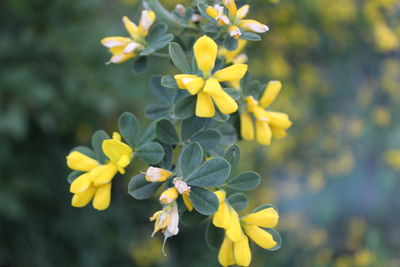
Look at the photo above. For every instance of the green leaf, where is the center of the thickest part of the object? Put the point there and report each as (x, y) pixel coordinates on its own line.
(191, 126)
(245, 181)
(166, 162)
(164, 94)
(139, 188)
(151, 152)
(229, 135)
(277, 238)
(140, 65)
(230, 43)
(232, 155)
(169, 82)
(238, 201)
(190, 158)
(157, 111)
(250, 36)
(178, 57)
(85, 150)
(165, 132)
(214, 236)
(185, 108)
(220, 116)
(97, 142)
(203, 200)
(210, 28)
(149, 134)
(208, 139)
(130, 128)
(157, 39)
(73, 175)
(190, 218)
(211, 173)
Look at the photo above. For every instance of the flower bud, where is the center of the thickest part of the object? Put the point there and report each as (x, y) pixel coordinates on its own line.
(155, 174)
(169, 195)
(181, 186)
(80, 162)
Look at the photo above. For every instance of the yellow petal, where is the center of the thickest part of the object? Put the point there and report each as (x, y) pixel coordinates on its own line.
(225, 103)
(146, 20)
(102, 198)
(279, 120)
(263, 133)
(231, 73)
(260, 113)
(278, 133)
(103, 174)
(169, 195)
(221, 194)
(81, 199)
(271, 91)
(192, 83)
(211, 12)
(120, 58)
(212, 87)
(264, 218)
(80, 162)
(204, 106)
(222, 216)
(234, 31)
(259, 236)
(241, 251)
(234, 230)
(116, 136)
(114, 150)
(231, 6)
(81, 183)
(225, 255)
(180, 77)
(205, 52)
(187, 202)
(253, 26)
(115, 41)
(246, 126)
(131, 27)
(242, 12)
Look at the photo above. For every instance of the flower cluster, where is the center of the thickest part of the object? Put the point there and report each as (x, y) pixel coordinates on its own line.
(193, 167)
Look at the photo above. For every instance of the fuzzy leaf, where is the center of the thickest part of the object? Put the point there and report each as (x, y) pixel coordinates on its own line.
(203, 200)
(151, 152)
(211, 173)
(130, 128)
(139, 188)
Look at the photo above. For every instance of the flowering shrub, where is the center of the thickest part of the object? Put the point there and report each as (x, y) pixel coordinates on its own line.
(190, 147)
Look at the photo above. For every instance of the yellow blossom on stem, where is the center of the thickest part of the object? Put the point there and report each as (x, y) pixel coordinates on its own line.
(124, 48)
(268, 124)
(235, 19)
(95, 183)
(154, 174)
(207, 87)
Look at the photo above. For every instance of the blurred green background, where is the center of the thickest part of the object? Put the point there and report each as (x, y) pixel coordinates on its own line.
(335, 178)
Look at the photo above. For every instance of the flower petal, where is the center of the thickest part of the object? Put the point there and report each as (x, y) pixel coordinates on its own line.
(278, 133)
(264, 218)
(241, 251)
(205, 52)
(242, 12)
(231, 73)
(102, 198)
(114, 150)
(231, 6)
(131, 27)
(81, 199)
(204, 106)
(225, 255)
(115, 41)
(103, 174)
(169, 195)
(253, 26)
(80, 162)
(81, 183)
(211, 12)
(246, 126)
(146, 20)
(259, 236)
(279, 120)
(225, 103)
(193, 84)
(271, 91)
(187, 202)
(180, 77)
(263, 133)
(222, 217)
(234, 230)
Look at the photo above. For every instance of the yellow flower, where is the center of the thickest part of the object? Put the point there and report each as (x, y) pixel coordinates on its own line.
(95, 183)
(234, 57)
(172, 193)
(154, 174)
(235, 248)
(268, 124)
(124, 48)
(235, 20)
(207, 87)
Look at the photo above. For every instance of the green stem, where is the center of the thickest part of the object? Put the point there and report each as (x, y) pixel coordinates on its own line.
(165, 16)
